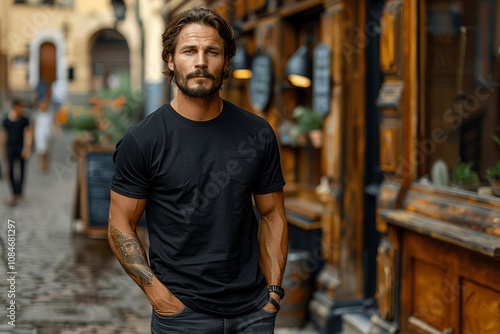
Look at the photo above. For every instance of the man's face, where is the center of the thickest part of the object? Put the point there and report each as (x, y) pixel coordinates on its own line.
(18, 110)
(199, 61)
(43, 106)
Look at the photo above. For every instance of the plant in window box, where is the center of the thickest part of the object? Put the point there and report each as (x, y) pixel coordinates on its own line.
(464, 177)
(309, 122)
(493, 173)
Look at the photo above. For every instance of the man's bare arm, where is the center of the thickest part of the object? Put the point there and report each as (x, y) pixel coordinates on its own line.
(3, 153)
(3, 143)
(124, 213)
(28, 142)
(132, 257)
(273, 238)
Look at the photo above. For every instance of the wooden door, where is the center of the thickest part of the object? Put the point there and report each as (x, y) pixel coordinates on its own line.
(47, 66)
(110, 54)
(448, 289)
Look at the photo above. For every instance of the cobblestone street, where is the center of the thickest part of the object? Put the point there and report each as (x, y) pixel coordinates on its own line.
(64, 282)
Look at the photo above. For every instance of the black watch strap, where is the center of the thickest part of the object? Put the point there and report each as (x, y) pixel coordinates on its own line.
(277, 289)
(274, 302)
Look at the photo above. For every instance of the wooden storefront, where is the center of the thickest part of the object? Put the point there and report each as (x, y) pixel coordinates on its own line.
(438, 260)
(397, 244)
(327, 221)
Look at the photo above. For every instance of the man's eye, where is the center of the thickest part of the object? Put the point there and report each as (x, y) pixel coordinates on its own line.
(188, 51)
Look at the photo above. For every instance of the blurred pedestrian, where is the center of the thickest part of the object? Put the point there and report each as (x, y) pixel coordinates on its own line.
(195, 166)
(59, 91)
(41, 89)
(44, 128)
(15, 146)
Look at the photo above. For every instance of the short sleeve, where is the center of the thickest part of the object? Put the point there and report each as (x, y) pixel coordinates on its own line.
(270, 177)
(131, 175)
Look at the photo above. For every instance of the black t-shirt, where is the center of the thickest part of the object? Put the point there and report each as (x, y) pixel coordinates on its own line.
(199, 178)
(15, 130)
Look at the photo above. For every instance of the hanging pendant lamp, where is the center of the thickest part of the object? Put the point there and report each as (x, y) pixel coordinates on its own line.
(241, 63)
(298, 69)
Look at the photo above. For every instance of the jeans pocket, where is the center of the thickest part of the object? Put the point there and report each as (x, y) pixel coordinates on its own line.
(170, 316)
(268, 312)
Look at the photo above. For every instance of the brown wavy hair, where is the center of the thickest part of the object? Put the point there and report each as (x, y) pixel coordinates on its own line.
(201, 16)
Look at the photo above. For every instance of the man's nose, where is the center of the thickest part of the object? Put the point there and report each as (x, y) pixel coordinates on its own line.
(201, 60)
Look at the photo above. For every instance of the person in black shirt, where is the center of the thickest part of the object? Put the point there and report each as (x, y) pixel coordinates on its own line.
(196, 167)
(15, 146)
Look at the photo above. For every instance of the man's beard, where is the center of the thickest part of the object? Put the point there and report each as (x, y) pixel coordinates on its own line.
(200, 91)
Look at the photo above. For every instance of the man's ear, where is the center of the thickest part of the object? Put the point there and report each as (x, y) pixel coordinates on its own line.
(170, 62)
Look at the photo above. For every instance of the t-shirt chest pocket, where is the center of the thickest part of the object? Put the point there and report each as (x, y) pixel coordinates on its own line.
(242, 167)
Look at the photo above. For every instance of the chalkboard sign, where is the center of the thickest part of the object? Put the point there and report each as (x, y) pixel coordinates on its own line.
(98, 169)
(321, 79)
(261, 82)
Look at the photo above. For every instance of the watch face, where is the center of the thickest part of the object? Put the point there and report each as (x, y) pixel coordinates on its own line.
(279, 290)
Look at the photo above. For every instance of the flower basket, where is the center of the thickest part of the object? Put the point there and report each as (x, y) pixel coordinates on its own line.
(107, 116)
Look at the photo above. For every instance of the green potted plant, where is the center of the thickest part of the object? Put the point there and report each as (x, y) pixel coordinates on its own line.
(493, 175)
(309, 122)
(493, 172)
(464, 177)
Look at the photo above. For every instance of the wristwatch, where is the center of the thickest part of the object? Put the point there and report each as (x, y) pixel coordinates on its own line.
(277, 289)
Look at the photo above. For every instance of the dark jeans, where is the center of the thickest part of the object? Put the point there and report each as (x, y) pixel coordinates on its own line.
(192, 322)
(16, 178)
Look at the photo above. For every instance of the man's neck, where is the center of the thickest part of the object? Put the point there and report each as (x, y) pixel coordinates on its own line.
(13, 116)
(197, 109)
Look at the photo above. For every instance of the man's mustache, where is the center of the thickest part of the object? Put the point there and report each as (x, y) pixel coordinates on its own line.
(200, 73)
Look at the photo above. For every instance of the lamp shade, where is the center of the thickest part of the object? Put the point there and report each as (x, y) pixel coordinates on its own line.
(241, 63)
(119, 9)
(298, 69)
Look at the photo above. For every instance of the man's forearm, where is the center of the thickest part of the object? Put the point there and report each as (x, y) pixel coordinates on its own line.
(3, 144)
(130, 253)
(28, 139)
(273, 236)
(273, 251)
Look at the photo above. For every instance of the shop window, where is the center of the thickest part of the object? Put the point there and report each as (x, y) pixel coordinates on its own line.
(460, 112)
(297, 132)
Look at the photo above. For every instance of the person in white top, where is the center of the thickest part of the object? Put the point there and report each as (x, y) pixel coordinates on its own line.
(43, 131)
(59, 92)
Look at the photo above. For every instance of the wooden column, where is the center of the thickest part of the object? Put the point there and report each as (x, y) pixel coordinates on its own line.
(397, 101)
(340, 283)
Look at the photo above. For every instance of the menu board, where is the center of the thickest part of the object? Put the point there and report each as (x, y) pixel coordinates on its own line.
(92, 200)
(99, 168)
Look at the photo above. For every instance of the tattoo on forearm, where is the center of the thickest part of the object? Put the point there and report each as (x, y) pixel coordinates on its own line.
(131, 255)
